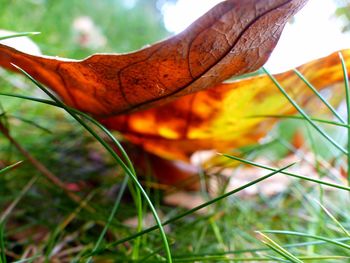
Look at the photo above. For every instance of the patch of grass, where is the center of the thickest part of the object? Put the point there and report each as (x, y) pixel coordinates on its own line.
(44, 223)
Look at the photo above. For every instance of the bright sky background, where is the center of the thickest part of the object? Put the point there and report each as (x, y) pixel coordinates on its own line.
(315, 33)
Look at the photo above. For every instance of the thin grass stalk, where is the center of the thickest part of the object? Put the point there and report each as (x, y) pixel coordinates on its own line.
(335, 220)
(32, 123)
(330, 107)
(222, 259)
(13, 204)
(317, 166)
(23, 34)
(136, 195)
(50, 244)
(197, 208)
(347, 92)
(295, 117)
(299, 234)
(216, 230)
(2, 243)
(280, 252)
(40, 167)
(10, 167)
(31, 259)
(127, 169)
(112, 214)
(301, 111)
(338, 186)
(116, 142)
(278, 249)
(3, 118)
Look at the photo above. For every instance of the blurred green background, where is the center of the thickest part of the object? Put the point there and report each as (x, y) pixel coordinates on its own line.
(76, 28)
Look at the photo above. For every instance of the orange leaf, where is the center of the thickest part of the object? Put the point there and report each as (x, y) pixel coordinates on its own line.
(233, 38)
(220, 118)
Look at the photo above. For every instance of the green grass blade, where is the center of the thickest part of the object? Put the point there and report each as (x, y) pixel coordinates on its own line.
(173, 219)
(347, 92)
(299, 234)
(301, 111)
(32, 123)
(55, 234)
(10, 167)
(278, 249)
(223, 259)
(216, 231)
(19, 96)
(13, 204)
(277, 259)
(296, 117)
(338, 186)
(256, 250)
(23, 34)
(286, 256)
(112, 214)
(301, 76)
(213, 258)
(110, 136)
(31, 259)
(2, 243)
(127, 169)
(335, 220)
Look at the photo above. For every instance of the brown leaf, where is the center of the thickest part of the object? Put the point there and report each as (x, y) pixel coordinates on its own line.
(233, 38)
(220, 118)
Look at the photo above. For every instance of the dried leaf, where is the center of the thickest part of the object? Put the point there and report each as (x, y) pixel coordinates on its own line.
(220, 118)
(233, 38)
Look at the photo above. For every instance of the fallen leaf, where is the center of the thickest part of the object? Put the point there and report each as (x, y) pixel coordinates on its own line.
(233, 38)
(220, 118)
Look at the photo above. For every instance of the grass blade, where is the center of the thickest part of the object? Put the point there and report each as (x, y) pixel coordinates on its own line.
(2, 243)
(347, 92)
(109, 135)
(292, 233)
(301, 111)
(128, 170)
(338, 186)
(10, 167)
(31, 259)
(23, 34)
(13, 204)
(222, 259)
(112, 214)
(301, 76)
(32, 123)
(296, 117)
(173, 219)
(278, 249)
(333, 218)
